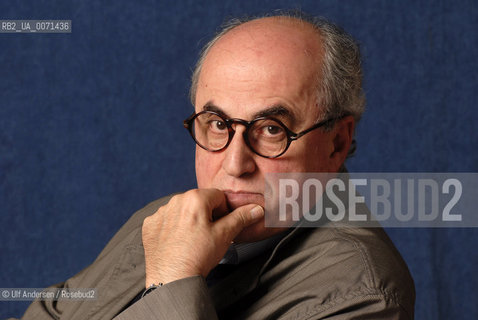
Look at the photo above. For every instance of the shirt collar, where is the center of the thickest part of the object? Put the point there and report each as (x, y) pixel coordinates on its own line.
(240, 252)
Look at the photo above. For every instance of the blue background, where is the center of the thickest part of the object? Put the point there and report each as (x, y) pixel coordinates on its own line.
(91, 125)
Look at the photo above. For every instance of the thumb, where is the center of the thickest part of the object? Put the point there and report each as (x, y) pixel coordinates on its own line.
(233, 223)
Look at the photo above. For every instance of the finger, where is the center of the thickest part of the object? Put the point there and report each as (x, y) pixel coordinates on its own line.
(232, 224)
(215, 202)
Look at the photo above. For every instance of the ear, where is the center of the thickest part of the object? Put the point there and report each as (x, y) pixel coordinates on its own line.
(343, 133)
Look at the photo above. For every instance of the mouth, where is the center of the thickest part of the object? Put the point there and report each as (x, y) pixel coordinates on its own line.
(236, 199)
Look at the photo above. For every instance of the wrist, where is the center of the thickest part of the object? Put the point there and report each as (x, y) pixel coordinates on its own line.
(168, 275)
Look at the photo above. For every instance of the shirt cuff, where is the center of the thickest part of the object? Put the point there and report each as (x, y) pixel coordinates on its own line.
(186, 299)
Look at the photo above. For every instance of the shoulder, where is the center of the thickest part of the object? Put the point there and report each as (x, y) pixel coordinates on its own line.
(334, 269)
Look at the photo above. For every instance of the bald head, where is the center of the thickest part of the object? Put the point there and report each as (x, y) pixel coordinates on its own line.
(277, 52)
(287, 41)
(330, 51)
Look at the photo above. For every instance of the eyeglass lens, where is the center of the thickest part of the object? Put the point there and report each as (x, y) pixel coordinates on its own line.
(266, 137)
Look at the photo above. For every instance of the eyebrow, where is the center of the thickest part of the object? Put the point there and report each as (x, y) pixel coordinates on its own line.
(211, 107)
(275, 110)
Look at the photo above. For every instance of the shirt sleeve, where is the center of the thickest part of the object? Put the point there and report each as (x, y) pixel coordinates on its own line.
(186, 299)
(360, 305)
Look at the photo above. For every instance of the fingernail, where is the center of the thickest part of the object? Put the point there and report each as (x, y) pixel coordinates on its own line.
(257, 212)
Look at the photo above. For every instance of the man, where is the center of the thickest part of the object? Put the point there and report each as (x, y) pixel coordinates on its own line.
(275, 94)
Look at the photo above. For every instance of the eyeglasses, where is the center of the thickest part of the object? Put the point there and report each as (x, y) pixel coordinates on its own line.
(265, 136)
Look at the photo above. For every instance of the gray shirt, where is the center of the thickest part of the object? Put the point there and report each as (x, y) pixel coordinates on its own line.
(312, 273)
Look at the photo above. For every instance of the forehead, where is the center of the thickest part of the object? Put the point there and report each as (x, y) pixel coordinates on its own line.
(261, 64)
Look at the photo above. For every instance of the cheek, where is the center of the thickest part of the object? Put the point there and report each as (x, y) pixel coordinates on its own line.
(279, 165)
(207, 166)
(316, 159)
(309, 155)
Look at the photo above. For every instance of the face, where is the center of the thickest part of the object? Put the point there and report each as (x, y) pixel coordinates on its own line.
(264, 67)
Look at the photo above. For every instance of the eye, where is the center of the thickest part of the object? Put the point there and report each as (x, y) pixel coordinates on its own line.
(268, 131)
(273, 130)
(217, 125)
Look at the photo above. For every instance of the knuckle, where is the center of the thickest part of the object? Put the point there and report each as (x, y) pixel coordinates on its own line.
(193, 193)
(175, 200)
(195, 199)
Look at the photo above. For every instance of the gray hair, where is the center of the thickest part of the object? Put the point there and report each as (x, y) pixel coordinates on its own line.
(339, 85)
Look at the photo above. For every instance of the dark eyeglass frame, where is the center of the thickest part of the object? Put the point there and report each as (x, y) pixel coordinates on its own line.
(291, 136)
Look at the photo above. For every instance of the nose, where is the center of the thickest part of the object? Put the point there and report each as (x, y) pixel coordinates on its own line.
(239, 159)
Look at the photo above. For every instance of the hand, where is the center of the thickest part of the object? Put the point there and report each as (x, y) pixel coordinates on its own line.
(191, 234)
